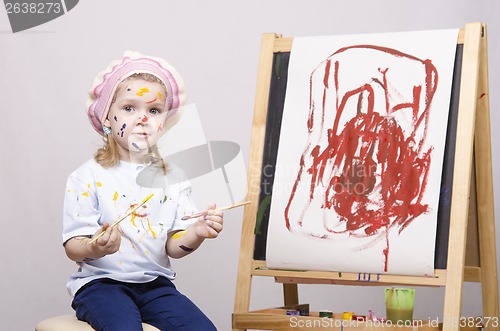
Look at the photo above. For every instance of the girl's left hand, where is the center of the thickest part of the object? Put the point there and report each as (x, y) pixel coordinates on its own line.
(210, 225)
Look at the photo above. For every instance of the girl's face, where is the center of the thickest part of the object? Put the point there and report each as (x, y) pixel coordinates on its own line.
(137, 117)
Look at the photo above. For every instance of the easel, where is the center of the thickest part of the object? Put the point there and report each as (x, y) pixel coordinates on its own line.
(475, 237)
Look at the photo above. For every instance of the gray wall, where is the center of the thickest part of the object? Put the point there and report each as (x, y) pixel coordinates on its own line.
(45, 74)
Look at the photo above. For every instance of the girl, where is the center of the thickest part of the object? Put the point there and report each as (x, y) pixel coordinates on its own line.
(124, 276)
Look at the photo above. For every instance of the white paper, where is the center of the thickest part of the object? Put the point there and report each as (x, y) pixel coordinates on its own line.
(364, 112)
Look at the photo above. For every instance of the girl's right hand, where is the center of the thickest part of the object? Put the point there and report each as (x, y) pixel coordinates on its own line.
(109, 242)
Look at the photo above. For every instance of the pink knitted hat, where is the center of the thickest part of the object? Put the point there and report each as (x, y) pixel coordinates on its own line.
(106, 82)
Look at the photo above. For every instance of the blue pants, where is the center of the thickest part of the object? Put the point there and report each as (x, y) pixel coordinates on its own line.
(109, 305)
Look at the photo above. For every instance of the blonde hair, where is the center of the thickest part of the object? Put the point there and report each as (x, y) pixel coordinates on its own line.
(108, 155)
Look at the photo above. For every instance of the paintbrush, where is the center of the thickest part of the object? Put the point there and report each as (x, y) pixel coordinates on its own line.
(124, 217)
(203, 213)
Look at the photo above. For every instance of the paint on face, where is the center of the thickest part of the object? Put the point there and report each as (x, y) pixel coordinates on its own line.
(160, 128)
(122, 129)
(144, 119)
(152, 100)
(142, 91)
(129, 109)
(160, 96)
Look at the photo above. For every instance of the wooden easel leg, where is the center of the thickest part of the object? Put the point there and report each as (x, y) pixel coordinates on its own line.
(485, 201)
(462, 177)
(244, 280)
(290, 294)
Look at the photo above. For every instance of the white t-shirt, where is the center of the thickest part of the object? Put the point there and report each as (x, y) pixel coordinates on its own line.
(96, 195)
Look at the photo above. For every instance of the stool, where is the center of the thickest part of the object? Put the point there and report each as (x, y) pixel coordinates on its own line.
(71, 323)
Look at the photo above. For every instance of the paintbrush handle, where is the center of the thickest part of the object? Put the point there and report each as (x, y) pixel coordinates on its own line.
(234, 206)
(112, 226)
(97, 237)
(121, 219)
(202, 213)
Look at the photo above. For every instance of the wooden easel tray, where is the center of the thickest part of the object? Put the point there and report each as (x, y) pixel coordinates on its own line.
(277, 319)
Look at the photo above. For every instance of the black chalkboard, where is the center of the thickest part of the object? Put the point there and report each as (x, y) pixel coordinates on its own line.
(277, 93)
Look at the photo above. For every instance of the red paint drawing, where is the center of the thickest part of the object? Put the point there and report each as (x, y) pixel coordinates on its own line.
(367, 156)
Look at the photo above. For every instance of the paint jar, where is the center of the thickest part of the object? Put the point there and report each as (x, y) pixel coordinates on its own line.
(347, 315)
(304, 311)
(399, 304)
(359, 318)
(325, 313)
